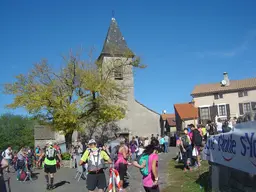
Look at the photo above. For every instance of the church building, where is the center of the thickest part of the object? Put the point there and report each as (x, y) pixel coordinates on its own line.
(139, 119)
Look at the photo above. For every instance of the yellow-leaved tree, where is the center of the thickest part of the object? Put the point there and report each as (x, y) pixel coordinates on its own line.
(70, 97)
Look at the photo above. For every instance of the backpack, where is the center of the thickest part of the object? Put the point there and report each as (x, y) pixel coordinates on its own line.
(22, 175)
(185, 141)
(197, 138)
(144, 157)
(95, 161)
(37, 150)
(114, 152)
(51, 153)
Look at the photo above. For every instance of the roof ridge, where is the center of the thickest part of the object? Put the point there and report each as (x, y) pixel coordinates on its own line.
(235, 85)
(146, 107)
(229, 80)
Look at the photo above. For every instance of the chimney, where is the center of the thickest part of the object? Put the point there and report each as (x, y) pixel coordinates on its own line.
(225, 75)
(164, 111)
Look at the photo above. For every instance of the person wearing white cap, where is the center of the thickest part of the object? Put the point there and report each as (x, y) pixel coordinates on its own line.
(50, 163)
(96, 158)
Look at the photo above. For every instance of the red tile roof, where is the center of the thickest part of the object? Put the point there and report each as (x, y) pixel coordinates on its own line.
(186, 110)
(165, 116)
(235, 85)
(171, 121)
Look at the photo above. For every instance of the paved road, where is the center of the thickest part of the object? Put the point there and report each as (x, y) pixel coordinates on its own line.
(65, 178)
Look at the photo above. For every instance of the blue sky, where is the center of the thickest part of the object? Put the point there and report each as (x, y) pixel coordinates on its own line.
(184, 43)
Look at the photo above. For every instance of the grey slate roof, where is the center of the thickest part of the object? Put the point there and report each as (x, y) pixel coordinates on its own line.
(115, 44)
(43, 133)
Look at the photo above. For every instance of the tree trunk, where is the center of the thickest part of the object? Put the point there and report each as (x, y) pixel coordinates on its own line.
(68, 140)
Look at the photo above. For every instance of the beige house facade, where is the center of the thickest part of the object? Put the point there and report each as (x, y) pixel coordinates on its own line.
(224, 100)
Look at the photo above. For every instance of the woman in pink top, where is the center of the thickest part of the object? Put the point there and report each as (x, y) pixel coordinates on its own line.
(121, 163)
(150, 182)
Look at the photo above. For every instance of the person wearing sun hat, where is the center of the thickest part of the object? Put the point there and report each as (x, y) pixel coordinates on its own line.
(96, 158)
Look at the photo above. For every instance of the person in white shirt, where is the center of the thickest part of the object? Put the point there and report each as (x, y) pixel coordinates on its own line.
(219, 126)
(146, 142)
(7, 155)
(140, 150)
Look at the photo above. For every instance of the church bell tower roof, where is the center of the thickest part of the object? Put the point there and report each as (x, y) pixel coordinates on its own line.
(115, 44)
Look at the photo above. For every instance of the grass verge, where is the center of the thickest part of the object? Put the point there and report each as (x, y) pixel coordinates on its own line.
(196, 180)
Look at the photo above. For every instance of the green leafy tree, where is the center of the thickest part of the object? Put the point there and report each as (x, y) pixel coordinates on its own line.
(70, 97)
(16, 131)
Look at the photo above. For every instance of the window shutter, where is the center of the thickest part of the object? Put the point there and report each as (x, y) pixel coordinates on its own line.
(240, 94)
(228, 110)
(213, 112)
(199, 117)
(241, 110)
(253, 106)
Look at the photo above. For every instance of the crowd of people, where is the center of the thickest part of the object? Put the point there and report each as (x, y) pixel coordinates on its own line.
(191, 140)
(122, 154)
(23, 161)
(94, 157)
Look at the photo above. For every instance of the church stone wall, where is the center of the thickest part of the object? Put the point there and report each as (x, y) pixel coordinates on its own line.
(146, 121)
(140, 121)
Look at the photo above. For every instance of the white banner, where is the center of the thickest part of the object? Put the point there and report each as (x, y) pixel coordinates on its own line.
(236, 149)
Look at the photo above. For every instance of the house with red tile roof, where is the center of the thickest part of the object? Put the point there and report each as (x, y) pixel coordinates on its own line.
(224, 100)
(168, 123)
(185, 114)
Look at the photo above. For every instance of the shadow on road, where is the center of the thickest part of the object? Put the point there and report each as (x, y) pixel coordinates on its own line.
(204, 181)
(34, 176)
(179, 166)
(59, 184)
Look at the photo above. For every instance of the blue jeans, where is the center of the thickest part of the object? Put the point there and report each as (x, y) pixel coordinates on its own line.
(166, 146)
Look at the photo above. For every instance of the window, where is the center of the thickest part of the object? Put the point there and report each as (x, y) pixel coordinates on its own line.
(218, 96)
(242, 94)
(205, 113)
(222, 111)
(247, 107)
(118, 73)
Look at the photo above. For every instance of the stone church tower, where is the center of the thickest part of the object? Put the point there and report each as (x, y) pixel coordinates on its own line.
(139, 119)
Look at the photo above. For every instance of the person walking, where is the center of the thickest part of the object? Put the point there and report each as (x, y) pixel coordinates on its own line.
(121, 163)
(166, 143)
(7, 155)
(133, 147)
(196, 140)
(186, 149)
(50, 161)
(149, 167)
(96, 163)
(162, 143)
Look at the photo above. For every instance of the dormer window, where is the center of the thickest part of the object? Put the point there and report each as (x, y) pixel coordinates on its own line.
(118, 73)
(218, 96)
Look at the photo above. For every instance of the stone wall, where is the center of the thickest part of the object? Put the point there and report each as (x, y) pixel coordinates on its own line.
(226, 179)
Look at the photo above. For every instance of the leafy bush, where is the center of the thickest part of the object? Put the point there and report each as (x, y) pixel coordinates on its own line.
(16, 131)
(66, 156)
